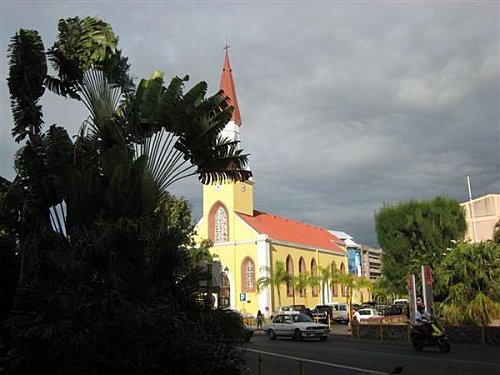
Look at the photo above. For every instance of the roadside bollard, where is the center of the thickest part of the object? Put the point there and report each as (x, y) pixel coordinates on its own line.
(302, 369)
(381, 330)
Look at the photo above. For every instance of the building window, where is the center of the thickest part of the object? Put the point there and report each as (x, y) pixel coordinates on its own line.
(314, 272)
(302, 269)
(248, 275)
(289, 270)
(221, 234)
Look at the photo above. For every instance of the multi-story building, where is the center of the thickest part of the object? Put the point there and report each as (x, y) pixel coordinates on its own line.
(481, 216)
(353, 252)
(372, 262)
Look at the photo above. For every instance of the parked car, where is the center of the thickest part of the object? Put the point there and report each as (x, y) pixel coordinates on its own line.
(389, 309)
(297, 326)
(340, 312)
(365, 314)
(400, 302)
(292, 308)
(247, 333)
(322, 313)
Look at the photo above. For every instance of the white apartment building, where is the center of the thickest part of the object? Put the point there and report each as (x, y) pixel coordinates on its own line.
(481, 215)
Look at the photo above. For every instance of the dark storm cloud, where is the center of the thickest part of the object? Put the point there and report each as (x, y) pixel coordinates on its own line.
(345, 106)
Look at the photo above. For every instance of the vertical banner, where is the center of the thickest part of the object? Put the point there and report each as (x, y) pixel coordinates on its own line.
(427, 289)
(412, 298)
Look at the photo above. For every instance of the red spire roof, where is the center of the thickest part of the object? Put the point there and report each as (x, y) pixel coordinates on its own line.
(227, 85)
(286, 230)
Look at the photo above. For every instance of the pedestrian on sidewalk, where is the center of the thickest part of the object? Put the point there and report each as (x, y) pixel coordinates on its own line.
(259, 319)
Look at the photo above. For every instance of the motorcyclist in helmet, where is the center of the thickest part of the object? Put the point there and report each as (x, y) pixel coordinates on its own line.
(422, 317)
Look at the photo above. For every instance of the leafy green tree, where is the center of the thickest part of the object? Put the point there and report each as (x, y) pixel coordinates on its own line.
(103, 246)
(201, 252)
(382, 292)
(416, 233)
(276, 278)
(469, 278)
(496, 233)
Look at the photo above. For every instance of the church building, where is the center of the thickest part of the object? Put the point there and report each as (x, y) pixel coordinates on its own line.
(249, 242)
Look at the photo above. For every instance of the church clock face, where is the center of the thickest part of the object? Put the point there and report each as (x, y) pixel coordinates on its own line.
(243, 187)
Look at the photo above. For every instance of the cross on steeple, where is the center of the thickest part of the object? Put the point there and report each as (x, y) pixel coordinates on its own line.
(227, 85)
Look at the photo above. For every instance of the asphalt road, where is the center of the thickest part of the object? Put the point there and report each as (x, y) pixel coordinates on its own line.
(341, 355)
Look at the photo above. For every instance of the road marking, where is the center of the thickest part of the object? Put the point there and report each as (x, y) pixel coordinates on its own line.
(318, 362)
(439, 358)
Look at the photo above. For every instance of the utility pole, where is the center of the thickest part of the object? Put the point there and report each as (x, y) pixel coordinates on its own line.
(472, 210)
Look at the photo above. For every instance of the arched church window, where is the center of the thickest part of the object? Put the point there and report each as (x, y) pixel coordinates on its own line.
(314, 272)
(221, 234)
(289, 271)
(302, 269)
(248, 275)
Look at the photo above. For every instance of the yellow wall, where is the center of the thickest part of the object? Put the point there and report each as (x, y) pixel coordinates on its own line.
(243, 242)
(237, 196)
(323, 259)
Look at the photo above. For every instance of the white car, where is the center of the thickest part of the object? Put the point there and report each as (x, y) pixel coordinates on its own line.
(364, 314)
(297, 326)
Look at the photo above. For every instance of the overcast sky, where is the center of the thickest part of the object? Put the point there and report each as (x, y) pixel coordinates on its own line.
(345, 105)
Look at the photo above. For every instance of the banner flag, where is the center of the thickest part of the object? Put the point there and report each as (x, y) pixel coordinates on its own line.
(412, 298)
(427, 289)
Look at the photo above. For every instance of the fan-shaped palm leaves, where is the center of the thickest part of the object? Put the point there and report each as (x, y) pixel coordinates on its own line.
(469, 278)
(100, 255)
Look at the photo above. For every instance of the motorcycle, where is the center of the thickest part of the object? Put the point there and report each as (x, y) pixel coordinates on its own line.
(430, 333)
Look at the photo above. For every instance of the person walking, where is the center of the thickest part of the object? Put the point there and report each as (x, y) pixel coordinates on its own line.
(259, 319)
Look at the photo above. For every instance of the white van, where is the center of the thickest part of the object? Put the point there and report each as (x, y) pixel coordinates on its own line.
(340, 312)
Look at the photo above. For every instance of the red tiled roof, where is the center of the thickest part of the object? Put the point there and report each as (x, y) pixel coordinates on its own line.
(227, 85)
(283, 229)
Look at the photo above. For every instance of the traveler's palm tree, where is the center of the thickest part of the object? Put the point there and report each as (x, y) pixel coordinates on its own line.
(89, 215)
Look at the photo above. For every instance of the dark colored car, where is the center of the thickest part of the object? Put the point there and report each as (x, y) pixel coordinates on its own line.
(322, 313)
(247, 333)
(389, 309)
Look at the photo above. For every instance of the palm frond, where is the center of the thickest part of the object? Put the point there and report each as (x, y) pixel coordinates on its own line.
(28, 69)
(100, 97)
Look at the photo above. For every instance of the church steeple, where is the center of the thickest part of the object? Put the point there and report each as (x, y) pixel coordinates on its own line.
(234, 196)
(227, 85)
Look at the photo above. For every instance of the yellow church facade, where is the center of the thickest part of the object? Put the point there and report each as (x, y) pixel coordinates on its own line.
(248, 243)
